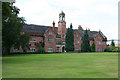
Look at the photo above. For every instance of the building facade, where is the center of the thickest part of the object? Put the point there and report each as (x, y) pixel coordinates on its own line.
(54, 37)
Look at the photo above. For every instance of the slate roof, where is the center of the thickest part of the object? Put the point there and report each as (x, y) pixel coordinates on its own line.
(92, 34)
(41, 29)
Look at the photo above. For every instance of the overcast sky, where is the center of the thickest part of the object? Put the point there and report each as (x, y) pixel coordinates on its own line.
(94, 14)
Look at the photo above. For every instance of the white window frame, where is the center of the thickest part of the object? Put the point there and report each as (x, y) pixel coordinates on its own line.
(78, 42)
(50, 33)
(99, 43)
(50, 40)
(33, 39)
(50, 49)
(32, 49)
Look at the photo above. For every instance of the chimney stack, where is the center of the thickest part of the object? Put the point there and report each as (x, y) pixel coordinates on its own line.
(80, 28)
(53, 26)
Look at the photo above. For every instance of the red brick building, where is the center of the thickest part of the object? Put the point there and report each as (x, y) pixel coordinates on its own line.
(54, 37)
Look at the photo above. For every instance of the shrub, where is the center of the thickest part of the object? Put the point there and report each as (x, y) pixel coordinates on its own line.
(93, 47)
(41, 50)
(112, 49)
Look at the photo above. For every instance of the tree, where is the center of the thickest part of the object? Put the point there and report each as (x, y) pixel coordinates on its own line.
(40, 46)
(11, 25)
(112, 43)
(23, 42)
(85, 46)
(69, 40)
(93, 48)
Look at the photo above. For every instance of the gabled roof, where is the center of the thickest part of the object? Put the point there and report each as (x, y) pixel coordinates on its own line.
(31, 28)
(92, 34)
(41, 29)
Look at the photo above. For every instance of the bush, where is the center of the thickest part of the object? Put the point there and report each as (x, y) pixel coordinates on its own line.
(41, 50)
(93, 47)
(107, 50)
(112, 49)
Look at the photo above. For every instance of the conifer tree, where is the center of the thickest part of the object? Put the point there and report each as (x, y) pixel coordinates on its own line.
(85, 46)
(112, 43)
(69, 40)
(93, 48)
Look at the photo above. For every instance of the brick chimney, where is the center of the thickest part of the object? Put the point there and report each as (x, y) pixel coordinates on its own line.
(80, 28)
(53, 26)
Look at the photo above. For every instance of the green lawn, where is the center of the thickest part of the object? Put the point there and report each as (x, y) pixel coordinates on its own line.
(73, 65)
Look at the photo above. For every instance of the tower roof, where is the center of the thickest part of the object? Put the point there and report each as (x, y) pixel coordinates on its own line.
(62, 13)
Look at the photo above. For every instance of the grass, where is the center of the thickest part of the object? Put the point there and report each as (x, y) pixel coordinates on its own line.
(74, 65)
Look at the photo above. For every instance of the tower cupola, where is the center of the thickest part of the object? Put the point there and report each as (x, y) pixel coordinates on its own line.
(62, 17)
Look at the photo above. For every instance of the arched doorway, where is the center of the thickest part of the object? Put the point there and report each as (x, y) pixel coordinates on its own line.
(63, 48)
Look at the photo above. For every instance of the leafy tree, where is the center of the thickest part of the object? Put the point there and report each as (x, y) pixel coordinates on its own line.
(93, 47)
(69, 40)
(11, 25)
(85, 46)
(23, 42)
(40, 46)
(112, 43)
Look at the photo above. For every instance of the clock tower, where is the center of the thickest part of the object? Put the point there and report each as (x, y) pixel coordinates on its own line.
(62, 25)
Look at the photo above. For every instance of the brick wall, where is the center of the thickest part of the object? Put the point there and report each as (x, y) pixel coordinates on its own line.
(77, 41)
(50, 41)
(100, 44)
(62, 30)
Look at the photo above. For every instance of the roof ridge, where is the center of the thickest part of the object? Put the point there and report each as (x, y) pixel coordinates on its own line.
(39, 25)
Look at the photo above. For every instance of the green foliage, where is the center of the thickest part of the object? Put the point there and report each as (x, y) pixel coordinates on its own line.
(11, 25)
(40, 46)
(112, 43)
(23, 41)
(93, 47)
(85, 46)
(112, 49)
(41, 50)
(69, 40)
